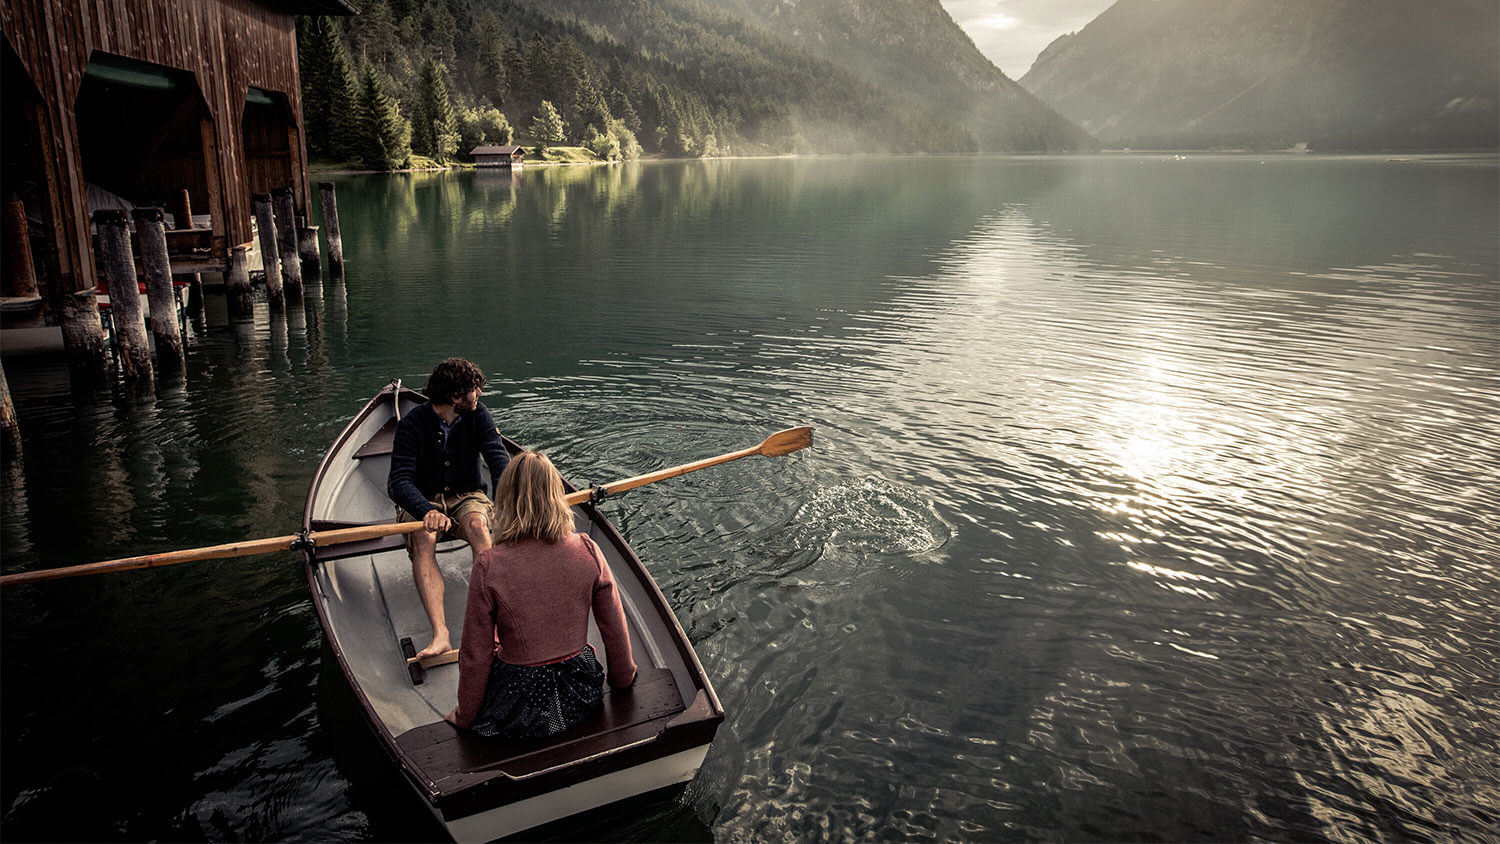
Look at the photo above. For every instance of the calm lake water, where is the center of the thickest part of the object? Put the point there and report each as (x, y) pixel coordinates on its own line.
(1152, 498)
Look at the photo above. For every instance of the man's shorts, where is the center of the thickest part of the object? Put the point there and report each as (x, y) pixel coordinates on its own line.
(456, 507)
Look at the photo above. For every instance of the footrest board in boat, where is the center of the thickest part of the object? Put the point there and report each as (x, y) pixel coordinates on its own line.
(381, 443)
(442, 750)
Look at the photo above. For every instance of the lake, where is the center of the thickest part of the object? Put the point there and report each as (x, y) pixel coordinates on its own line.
(1152, 497)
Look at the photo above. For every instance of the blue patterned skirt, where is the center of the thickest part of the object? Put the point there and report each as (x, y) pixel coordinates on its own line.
(528, 702)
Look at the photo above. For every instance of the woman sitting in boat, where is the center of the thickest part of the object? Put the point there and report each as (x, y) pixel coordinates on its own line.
(525, 668)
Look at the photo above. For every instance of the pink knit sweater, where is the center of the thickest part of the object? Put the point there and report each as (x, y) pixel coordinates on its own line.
(529, 605)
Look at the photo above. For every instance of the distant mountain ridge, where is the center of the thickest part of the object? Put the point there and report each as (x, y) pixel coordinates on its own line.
(758, 86)
(916, 49)
(908, 50)
(1332, 74)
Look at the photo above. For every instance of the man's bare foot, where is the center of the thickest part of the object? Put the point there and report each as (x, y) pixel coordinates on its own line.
(440, 645)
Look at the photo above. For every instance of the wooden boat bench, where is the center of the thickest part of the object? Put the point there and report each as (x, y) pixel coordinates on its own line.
(378, 445)
(629, 716)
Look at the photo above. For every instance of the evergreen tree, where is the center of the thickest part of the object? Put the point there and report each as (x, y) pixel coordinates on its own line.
(312, 63)
(595, 112)
(572, 88)
(439, 31)
(672, 133)
(515, 77)
(343, 103)
(375, 37)
(403, 9)
(655, 105)
(421, 126)
(620, 105)
(463, 71)
(536, 82)
(385, 136)
(435, 126)
(493, 68)
(547, 126)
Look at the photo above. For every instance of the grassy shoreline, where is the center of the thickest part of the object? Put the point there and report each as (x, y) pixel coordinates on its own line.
(554, 157)
(557, 156)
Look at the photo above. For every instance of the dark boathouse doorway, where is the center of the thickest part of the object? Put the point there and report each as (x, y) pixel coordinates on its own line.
(145, 135)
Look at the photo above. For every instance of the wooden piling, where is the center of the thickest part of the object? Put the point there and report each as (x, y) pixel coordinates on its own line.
(286, 238)
(182, 218)
(195, 306)
(10, 431)
(331, 224)
(237, 283)
(182, 210)
(307, 242)
(124, 295)
(20, 270)
(151, 232)
(83, 337)
(270, 251)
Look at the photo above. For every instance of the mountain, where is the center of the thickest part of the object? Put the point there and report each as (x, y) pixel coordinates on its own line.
(775, 94)
(916, 49)
(1269, 74)
(695, 77)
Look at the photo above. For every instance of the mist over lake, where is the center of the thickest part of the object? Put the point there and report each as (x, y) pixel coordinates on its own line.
(1152, 496)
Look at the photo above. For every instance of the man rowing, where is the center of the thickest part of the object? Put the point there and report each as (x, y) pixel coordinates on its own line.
(435, 478)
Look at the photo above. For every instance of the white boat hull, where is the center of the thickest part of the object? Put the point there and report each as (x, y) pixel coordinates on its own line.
(677, 769)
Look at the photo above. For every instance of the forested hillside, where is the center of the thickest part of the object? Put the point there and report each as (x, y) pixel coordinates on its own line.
(1333, 74)
(676, 77)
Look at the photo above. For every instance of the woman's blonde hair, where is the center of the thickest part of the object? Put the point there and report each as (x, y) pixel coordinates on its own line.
(529, 502)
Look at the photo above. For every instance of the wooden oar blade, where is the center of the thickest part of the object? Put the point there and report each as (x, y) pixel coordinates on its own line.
(786, 442)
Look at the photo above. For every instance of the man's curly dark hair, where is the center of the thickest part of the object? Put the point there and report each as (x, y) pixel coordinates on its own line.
(453, 379)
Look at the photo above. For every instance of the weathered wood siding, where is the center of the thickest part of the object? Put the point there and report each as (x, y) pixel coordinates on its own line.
(270, 149)
(228, 46)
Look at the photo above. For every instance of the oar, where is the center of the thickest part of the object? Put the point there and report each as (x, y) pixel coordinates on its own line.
(779, 443)
(215, 552)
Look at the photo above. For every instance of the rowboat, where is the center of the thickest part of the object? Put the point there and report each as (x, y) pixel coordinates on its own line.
(647, 740)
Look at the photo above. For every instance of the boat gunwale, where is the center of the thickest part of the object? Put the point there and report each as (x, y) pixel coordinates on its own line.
(695, 725)
(403, 760)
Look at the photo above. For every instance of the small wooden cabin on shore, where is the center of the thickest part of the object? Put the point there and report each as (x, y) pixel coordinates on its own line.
(498, 156)
(191, 105)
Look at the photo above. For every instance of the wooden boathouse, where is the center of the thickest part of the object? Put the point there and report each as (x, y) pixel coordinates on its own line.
(507, 155)
(189, 105)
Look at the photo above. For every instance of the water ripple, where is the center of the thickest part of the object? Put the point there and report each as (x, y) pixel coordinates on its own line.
(1151, 499)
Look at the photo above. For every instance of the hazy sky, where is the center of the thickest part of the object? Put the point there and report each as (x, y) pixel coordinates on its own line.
(1012, 32)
